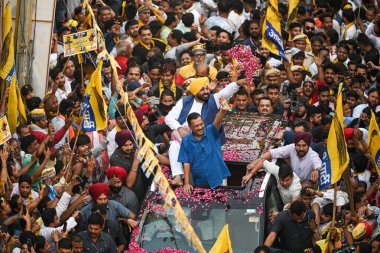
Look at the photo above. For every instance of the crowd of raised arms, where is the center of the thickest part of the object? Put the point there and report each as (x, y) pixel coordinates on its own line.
(67, 190)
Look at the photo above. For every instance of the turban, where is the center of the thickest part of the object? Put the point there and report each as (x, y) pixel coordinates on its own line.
(197, 84)
(348, 133)
(302, 136)
(139, 115)
(37, 114)
(116, 171)
(98, 189)
(122, 137)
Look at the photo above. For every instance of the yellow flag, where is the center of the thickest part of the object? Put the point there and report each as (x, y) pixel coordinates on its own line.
(16, 107)
(374, 142)
(292, 12)
(7, 69)
(271, 33)
(223, 243)
(335, 160)
(97, 103)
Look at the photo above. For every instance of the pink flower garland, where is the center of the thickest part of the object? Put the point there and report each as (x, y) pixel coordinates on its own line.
(246, 61)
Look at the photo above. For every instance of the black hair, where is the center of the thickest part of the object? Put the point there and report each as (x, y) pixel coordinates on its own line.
(188, 19)
(297, 207)
(189, 37)
(221, 75)
(98, 208)
(317, 38)
(265, 98)
(54, 72)
(294, 25)
(352, 94)
(25, 178)
(359, 162)
(372, 90)
(246, 25)
(192, 116)
(328, 209)
(241, 92)
(170, 18)
(285, 171)
(65, 243)
(323, 89)
(40, 243)
(95, 219)
(48, 216)
(333, 35)
(83, 139)
(358, 79)
(326, 119)
(364, 247)
(302, 123)
(26, 142)
(130, 23)
(330, 66)
(224, 6)
(349, 15)
(65, 106)
(144, 28)
(358, 197)
(167, 93)
(257, 92)
(155, 26)
(76, 238)
(262, 248)
(273, 87)
(177, 35)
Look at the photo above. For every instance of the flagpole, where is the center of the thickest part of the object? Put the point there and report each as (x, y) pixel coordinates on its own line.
(334, 206)
(75, 145)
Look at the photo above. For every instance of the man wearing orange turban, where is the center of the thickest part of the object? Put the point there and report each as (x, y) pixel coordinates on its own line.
(201, 102)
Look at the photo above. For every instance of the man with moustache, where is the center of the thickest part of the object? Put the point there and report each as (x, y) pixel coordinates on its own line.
(254, 32)
(116, 176)
(304, 161)
(199, 101)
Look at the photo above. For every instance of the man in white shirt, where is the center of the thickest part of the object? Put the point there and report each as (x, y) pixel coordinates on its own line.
(348, 30)
(222, 19)
(373, 103)
(190, 8)
(288, 182)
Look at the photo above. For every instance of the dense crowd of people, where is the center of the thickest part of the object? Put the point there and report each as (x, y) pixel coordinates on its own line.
(69, 191)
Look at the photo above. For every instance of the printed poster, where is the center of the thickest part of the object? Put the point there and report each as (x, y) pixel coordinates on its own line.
(81, 42)
(5, 133)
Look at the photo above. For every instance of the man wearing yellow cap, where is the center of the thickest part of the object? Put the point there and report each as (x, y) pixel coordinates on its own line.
(39, 127)
(199, 57)
(199, 101)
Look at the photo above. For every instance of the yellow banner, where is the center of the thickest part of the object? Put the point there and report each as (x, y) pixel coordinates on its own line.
(292, 12)
(271, 32)
(374, 142)
(81, 42)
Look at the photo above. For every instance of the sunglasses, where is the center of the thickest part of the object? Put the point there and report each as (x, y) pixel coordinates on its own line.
(309, 28)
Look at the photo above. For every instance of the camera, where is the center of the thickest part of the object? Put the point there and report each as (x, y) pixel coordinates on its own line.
(296, 101)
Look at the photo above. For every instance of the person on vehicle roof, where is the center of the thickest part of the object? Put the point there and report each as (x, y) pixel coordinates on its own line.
(304, 161)
(201, 151)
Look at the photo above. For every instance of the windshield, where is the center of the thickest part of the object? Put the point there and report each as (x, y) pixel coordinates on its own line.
(160, 229)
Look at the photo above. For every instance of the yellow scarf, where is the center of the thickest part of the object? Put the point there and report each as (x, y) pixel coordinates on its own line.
(346, 29)
(172, 87)
(148, 47)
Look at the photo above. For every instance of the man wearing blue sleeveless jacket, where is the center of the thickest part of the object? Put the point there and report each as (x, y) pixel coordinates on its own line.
(202, 102)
